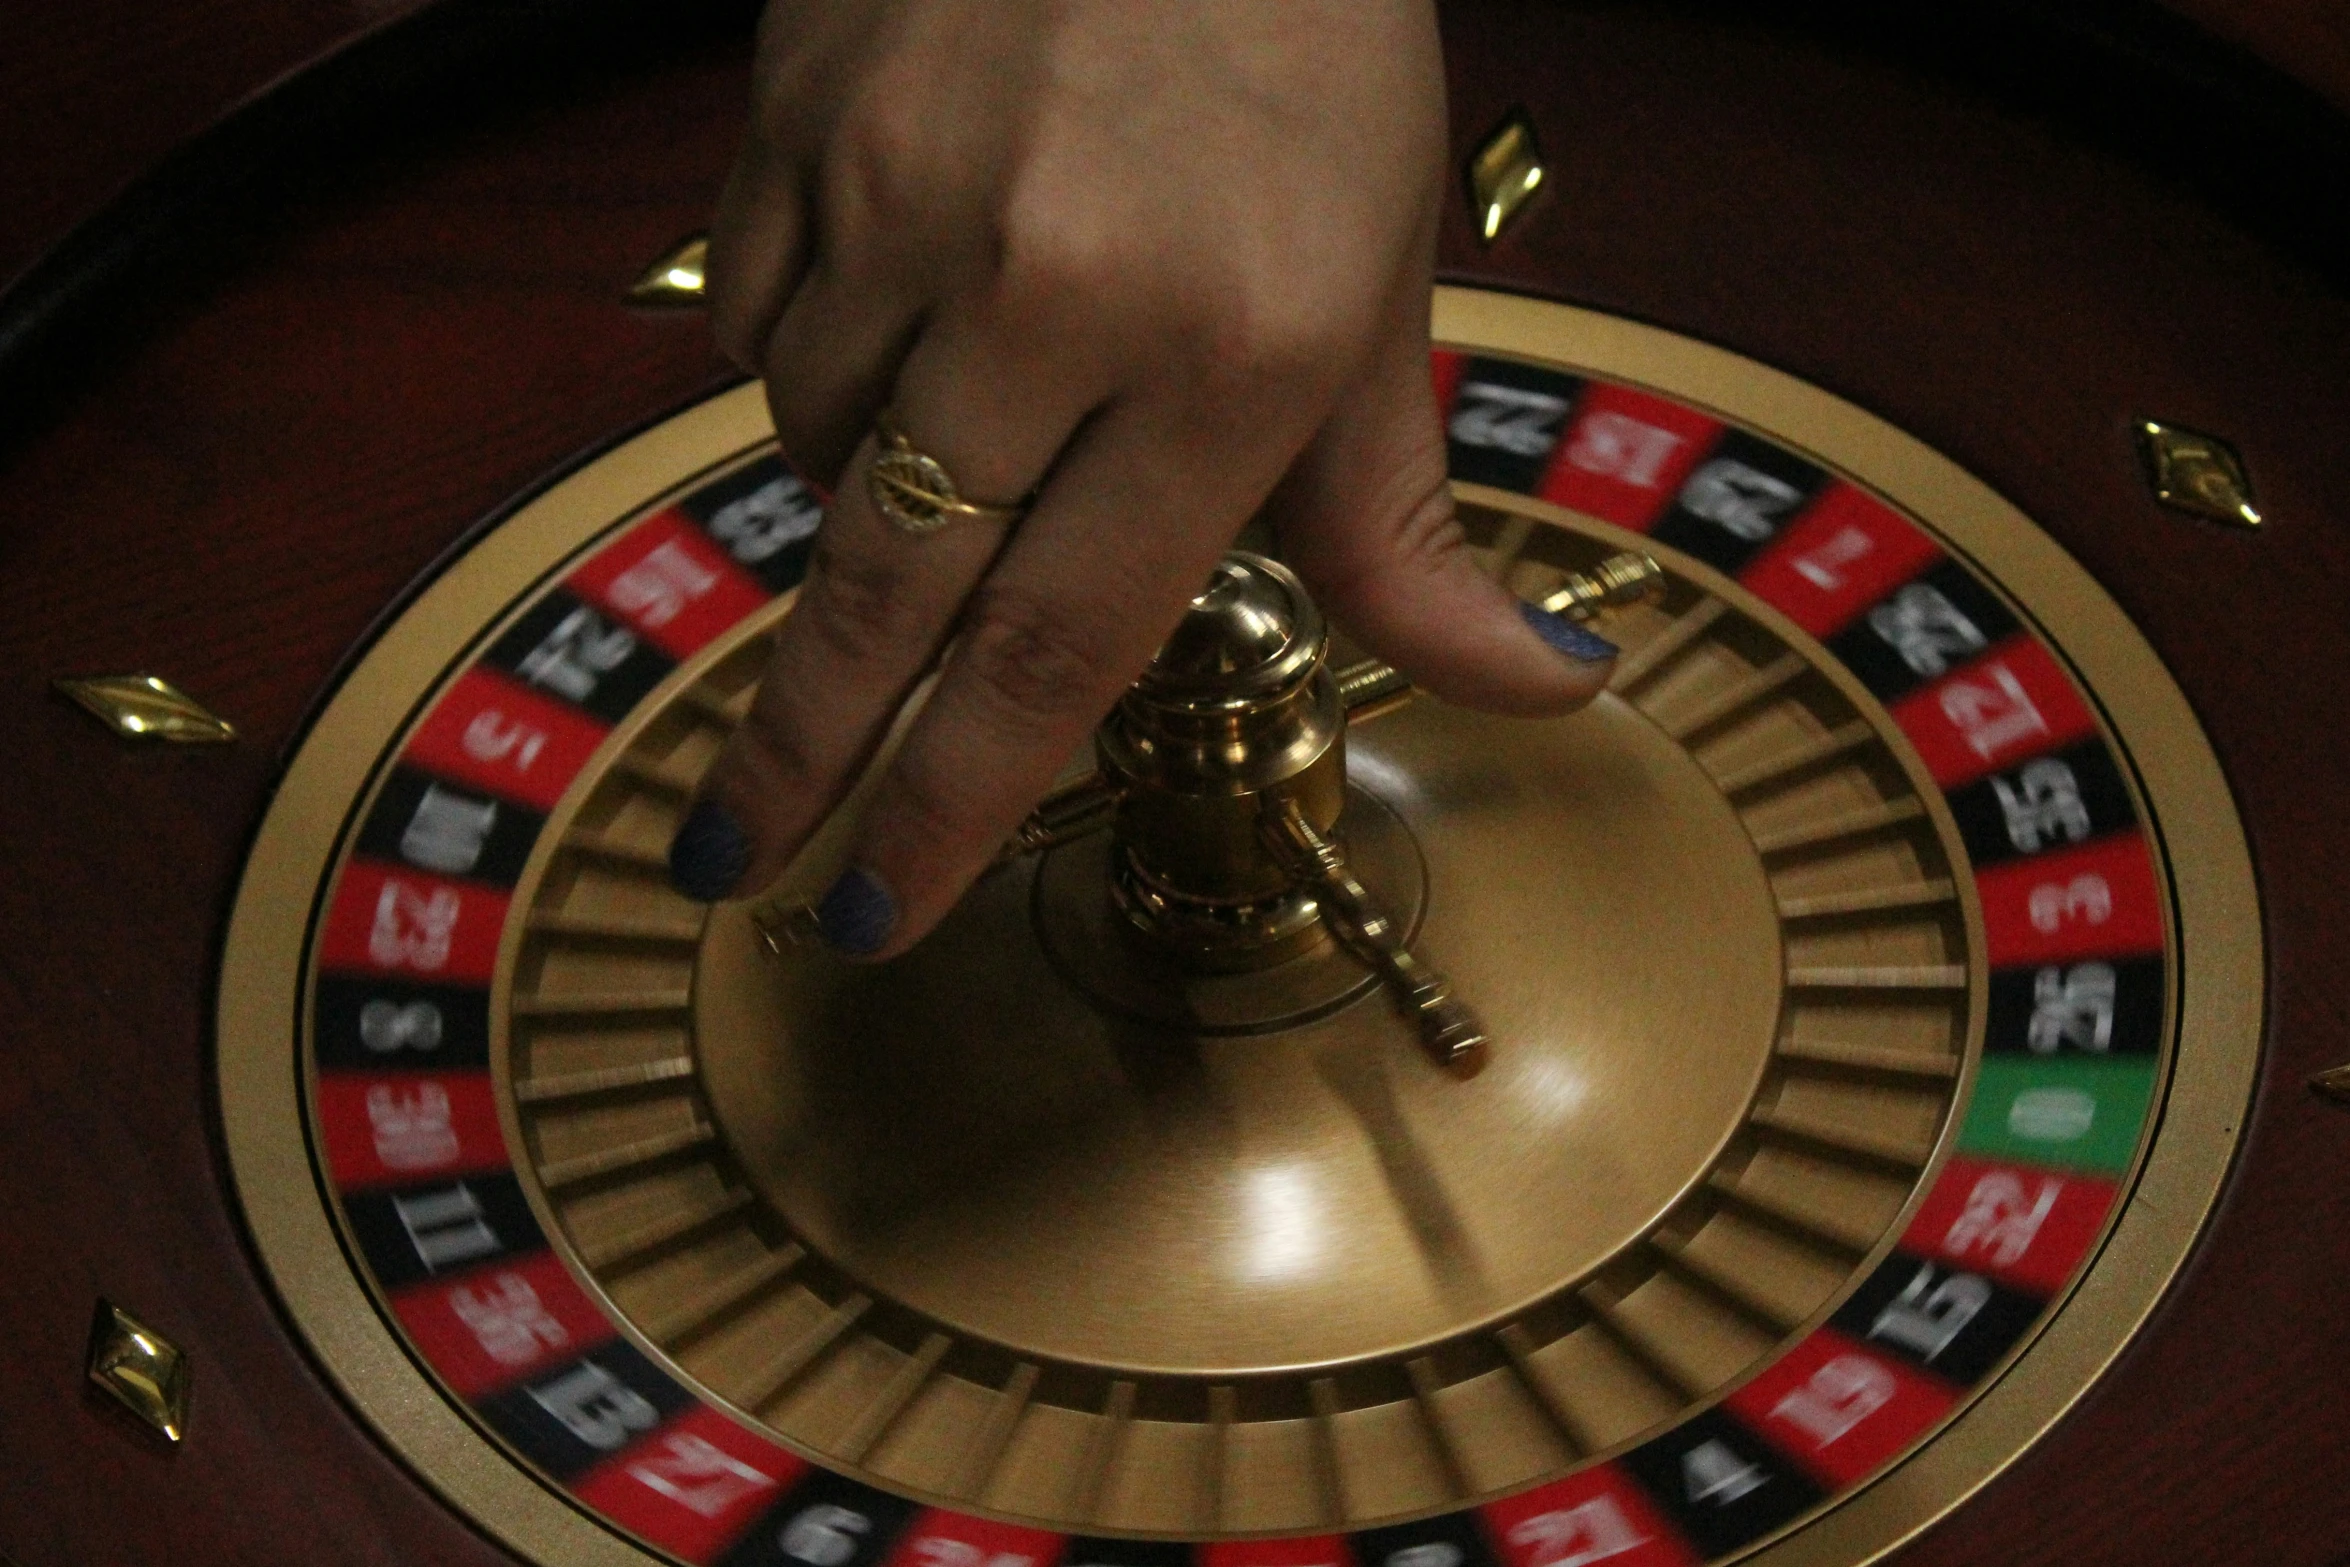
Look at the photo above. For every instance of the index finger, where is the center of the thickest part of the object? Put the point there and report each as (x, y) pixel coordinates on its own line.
(1138, 510)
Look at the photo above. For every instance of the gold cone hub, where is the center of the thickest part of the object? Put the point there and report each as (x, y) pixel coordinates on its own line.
(1711, 930)
(970, 1135)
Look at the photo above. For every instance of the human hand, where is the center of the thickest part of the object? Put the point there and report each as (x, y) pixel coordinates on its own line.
(1163, 263)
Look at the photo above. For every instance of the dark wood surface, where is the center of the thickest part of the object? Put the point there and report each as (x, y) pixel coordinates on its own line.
(258, 460)
(232, 504)
(104, 91)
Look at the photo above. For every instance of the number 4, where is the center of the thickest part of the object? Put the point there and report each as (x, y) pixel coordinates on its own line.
(1711, 1472)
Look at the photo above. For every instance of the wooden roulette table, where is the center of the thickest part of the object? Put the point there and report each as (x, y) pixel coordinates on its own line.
(1962, 831)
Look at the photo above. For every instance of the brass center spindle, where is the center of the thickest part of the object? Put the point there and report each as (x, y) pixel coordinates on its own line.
(1227, 762)
(1367, 689)
(1223, 773)
(1237, 713)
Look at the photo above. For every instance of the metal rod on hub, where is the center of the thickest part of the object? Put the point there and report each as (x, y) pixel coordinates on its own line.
(1448, 1029)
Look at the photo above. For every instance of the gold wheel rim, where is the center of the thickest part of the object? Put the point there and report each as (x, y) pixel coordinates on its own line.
(2211, 889)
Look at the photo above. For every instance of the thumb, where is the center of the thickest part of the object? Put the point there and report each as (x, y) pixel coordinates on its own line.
(1365, 516)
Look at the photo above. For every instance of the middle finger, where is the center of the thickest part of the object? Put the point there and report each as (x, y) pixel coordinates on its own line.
(879, 603)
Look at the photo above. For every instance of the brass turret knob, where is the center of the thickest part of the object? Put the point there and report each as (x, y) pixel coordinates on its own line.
(1223, 774)
(1228, 759)
(1237, 714)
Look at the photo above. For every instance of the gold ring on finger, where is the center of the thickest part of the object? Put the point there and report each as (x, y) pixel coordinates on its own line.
(914, 491)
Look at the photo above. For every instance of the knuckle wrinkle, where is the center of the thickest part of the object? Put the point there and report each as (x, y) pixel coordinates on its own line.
(1032, 659)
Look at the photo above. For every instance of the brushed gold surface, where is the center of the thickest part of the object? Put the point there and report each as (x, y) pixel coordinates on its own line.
(999, 1152)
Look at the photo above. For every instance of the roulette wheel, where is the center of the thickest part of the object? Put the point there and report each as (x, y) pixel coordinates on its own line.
(1901, 993)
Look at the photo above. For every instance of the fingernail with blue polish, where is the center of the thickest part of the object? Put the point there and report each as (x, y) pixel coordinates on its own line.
(1579, 644)
(709, 854)
(857, 914)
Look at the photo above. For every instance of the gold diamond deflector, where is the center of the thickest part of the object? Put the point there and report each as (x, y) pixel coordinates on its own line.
(144, 1371)
(2196, 473)
(677, 278)
(148, 707)
(1503, 176)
